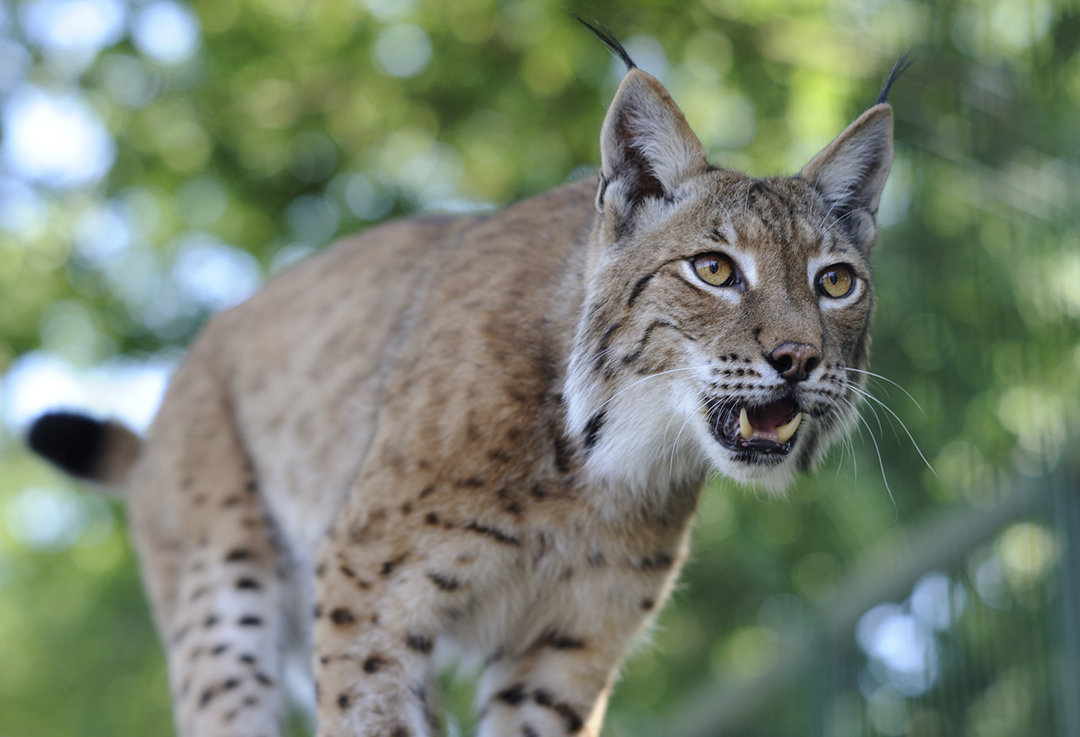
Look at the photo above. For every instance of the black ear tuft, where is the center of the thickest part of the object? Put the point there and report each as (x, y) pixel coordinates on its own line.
(71, 441)
(898, 68)
(605, 35)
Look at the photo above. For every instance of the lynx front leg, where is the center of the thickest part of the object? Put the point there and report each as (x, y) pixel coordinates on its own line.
(548, 692)
(374, 632)
(555, 680)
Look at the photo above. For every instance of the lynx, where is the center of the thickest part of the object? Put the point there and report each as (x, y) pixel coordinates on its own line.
(488, 434)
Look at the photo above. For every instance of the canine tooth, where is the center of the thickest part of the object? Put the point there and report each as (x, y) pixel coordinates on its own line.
(745, 428)
(784, 432)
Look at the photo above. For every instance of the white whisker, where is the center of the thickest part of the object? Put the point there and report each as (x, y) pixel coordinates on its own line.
(627, 388)
(887, 380)
(870, 397)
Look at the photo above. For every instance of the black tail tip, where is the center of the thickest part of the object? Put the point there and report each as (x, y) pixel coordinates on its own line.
(71, 441)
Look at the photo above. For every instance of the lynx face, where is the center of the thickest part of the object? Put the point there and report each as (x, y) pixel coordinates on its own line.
(726, 322)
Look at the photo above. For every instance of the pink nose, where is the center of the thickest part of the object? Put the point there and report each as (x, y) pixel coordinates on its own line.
(794, 361)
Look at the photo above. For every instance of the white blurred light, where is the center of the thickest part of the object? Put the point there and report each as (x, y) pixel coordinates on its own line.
(902, 644)
(403, 50)
(166, 31)
(103, 233)
(85, 26)
(937, 601)
(215, 275)
(55, 139)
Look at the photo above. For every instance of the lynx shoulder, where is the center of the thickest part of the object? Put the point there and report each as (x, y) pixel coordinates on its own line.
(489, 434)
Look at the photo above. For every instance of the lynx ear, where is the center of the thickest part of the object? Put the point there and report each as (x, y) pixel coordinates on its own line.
(852, 170)
(646, 146)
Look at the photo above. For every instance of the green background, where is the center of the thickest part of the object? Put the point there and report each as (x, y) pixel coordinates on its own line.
(297, 122)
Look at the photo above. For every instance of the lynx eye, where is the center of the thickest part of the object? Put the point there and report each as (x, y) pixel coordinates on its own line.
(715, 269)
(836, 281)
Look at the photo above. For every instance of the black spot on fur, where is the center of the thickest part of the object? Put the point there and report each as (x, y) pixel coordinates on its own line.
(342, 616)
(343, 701)
(247, 658)
(592, 429)
(513, 695)
(654, 562)
(528, 731)
(419, 643)
(647, 604)
(206, 696)
(543, 697)
(554, 639)
(211, 621)
(496, 535)
(388, 566)
(444, 582)
(250, 621)
(238, 554)
(639, 287)
(73, 442)
(569, 715)
(248, 583)
(562, 450)
(219, 649)
(373, 663)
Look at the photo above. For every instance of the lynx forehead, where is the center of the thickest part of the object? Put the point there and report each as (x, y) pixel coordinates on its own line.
(503, 453)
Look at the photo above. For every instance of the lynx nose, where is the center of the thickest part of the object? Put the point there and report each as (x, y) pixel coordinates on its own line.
(794, 361)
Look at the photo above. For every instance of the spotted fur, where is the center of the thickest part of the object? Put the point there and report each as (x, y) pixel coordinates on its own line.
(489, 434)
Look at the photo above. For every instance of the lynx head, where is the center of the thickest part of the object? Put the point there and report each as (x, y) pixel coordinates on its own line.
(726, 317)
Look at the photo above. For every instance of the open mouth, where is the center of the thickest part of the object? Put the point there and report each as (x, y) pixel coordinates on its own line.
(760, 430)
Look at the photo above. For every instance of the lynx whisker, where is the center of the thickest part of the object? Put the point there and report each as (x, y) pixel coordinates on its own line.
(866, 394)
(877, 451)
(643, 379)
(886, 379)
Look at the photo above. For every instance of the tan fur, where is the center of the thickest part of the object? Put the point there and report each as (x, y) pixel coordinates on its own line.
(489, 433)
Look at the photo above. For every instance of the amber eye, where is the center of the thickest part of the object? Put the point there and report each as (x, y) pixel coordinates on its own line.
(715, 269)
(836, 281)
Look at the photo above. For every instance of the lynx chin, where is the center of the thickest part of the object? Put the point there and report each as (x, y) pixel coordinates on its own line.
(488, 434)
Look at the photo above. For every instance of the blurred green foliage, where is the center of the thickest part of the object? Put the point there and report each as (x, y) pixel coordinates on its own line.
(296, 122)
